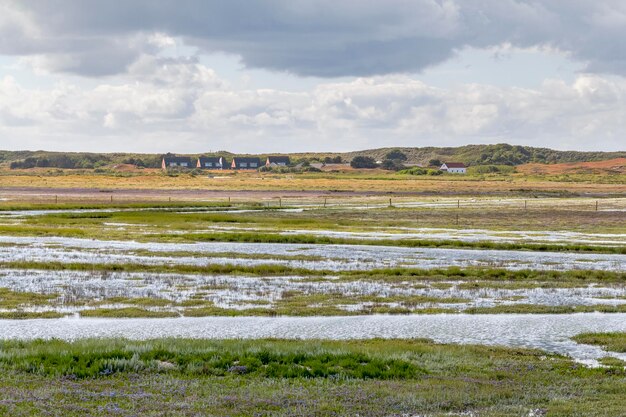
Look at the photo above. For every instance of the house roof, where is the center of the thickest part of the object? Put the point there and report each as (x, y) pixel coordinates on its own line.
(204, 159)
(278, 159)
(239, 160)
(455, 164)
(177, 159)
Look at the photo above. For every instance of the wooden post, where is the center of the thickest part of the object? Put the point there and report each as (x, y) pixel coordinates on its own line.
(228, 200)
(56, 199)
(324, 202)
(280, 202)
(111, 198)
(525, 204)
(458, 204)
(596, 205)
(390, 202)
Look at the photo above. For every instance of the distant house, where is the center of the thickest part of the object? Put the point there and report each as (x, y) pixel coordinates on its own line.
(454, 167)
(170, 161)
(277, 161)
(208, 162)
(245, 163)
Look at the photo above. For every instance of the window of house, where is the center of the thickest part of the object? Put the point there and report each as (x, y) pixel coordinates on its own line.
(253, 164)
(243, 164)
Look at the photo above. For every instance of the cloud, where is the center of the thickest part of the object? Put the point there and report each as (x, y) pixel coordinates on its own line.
(322, 38)
(181, 105)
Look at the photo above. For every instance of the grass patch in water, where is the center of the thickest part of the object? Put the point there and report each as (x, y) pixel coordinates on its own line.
(544, 309)
(25, 315)
(614, 342)
(218, 269)
(10, 299)
(127, 312)
(612, 362)
(411, 243)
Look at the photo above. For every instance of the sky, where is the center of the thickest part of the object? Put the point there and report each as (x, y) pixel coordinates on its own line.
(193, 76)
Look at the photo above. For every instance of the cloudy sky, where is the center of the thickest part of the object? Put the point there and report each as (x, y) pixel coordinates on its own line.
(305, 75)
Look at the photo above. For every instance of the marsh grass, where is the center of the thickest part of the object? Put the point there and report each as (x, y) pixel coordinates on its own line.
(614, 342)
(14, 299)
(127, 312)
(545, 309)
(410, 243)
(92, 359)
(292, 378)
(26, 315)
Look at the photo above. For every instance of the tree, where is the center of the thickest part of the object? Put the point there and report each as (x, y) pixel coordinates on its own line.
(363, 162)
(392, 165)
(434, 163)
(396, 155)
(336, 160)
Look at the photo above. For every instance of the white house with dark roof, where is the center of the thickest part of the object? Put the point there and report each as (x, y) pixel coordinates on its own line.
(277, 161)
(210, 162)
(171, 161)
(245, 163)
(454, 167)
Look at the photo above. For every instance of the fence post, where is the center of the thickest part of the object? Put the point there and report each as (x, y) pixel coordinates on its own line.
(56, 199)
(280, 202)
(525, 204)
(458, 204)
(596, 205)
(390, 202)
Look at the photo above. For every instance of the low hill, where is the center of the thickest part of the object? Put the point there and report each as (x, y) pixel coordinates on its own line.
(501, 154)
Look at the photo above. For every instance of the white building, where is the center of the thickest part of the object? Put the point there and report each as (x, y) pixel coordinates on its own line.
(454, 167)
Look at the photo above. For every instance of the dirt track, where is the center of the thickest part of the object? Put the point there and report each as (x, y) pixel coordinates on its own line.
(49, 194)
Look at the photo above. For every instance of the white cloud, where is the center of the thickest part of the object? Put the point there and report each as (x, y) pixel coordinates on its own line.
(181, 105)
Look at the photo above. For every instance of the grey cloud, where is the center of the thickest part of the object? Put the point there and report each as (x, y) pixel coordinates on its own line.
(324, 38)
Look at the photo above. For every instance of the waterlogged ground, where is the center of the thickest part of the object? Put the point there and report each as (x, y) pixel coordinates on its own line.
(146, 273)
(307, 256)
(73, 292)
(552, 333)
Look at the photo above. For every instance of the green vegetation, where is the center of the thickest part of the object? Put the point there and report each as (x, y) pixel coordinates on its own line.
(127, 312)
(543, 309)
(363, 162)
(250, 237)
(500, 154)
(12, 299)
(614, 342)
(287, 378)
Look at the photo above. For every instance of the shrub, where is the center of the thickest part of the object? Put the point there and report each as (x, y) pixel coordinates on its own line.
(363, 162)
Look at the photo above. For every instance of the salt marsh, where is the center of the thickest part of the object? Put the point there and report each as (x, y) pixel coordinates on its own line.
(76, 291)
(335, 257)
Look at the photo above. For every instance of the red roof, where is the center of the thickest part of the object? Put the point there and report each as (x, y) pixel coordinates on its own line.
(455, 164)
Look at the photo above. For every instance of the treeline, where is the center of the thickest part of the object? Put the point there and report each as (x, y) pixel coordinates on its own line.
(80, 160)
